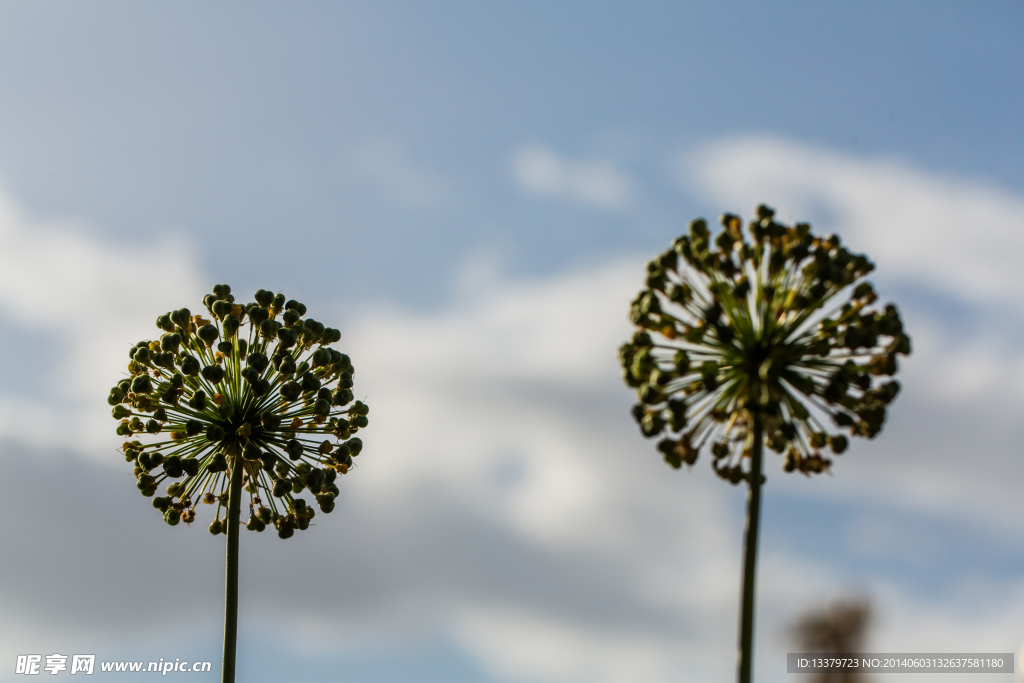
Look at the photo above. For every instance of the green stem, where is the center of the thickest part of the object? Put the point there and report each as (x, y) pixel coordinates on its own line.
(231, 574)
(746, 653)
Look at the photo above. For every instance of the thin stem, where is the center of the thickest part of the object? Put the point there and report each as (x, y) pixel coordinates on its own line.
(746, 653)
(231, 574)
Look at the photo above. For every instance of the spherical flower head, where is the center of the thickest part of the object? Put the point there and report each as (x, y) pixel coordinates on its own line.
(239, 386)
(771, 326)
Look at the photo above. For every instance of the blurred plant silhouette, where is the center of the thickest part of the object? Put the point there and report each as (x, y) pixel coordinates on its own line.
(767, 341)
(838, 629)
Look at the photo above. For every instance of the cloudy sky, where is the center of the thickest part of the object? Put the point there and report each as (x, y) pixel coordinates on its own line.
(469, 191)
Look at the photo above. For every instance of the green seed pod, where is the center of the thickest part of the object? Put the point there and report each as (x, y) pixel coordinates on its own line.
(222, 309)
(161, 503)
(190, 366)
(326, 502)
(142, 385)
(218, 463)
(345, 380)
(290, 390)
(341, 397)
(321, 357)
(120, 412)
(251, 452)
(216, 527)
(181, 317)
(230, 325)
(269, 328)
(191, 466)
(258, 314)
(297, 487)
(271, 422)
(294, 449)
(360, 421)
(141, 355)
(264, 298)
(170, 342)
(221, 291)
(209, 334)
(214, 433)
(164, 323)
(294, 305)
(287, 337)
(198, 401)
(355, 446)
(322, 407)
(331, 335)
(193, 427)
(153, 427)
(285, 532)
(172, 517)
(258, 361)
(214, 374)
(282, 487)
(290, 317)
(172, 466)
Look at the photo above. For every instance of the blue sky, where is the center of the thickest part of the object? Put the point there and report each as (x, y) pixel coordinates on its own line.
(469, 192)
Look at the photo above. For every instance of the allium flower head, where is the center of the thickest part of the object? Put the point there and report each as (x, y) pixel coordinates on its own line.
(775, 324)
(256, 381)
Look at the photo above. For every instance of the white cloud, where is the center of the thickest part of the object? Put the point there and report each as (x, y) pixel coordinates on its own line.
(598, 184)
(93, 301)
(958, 236)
